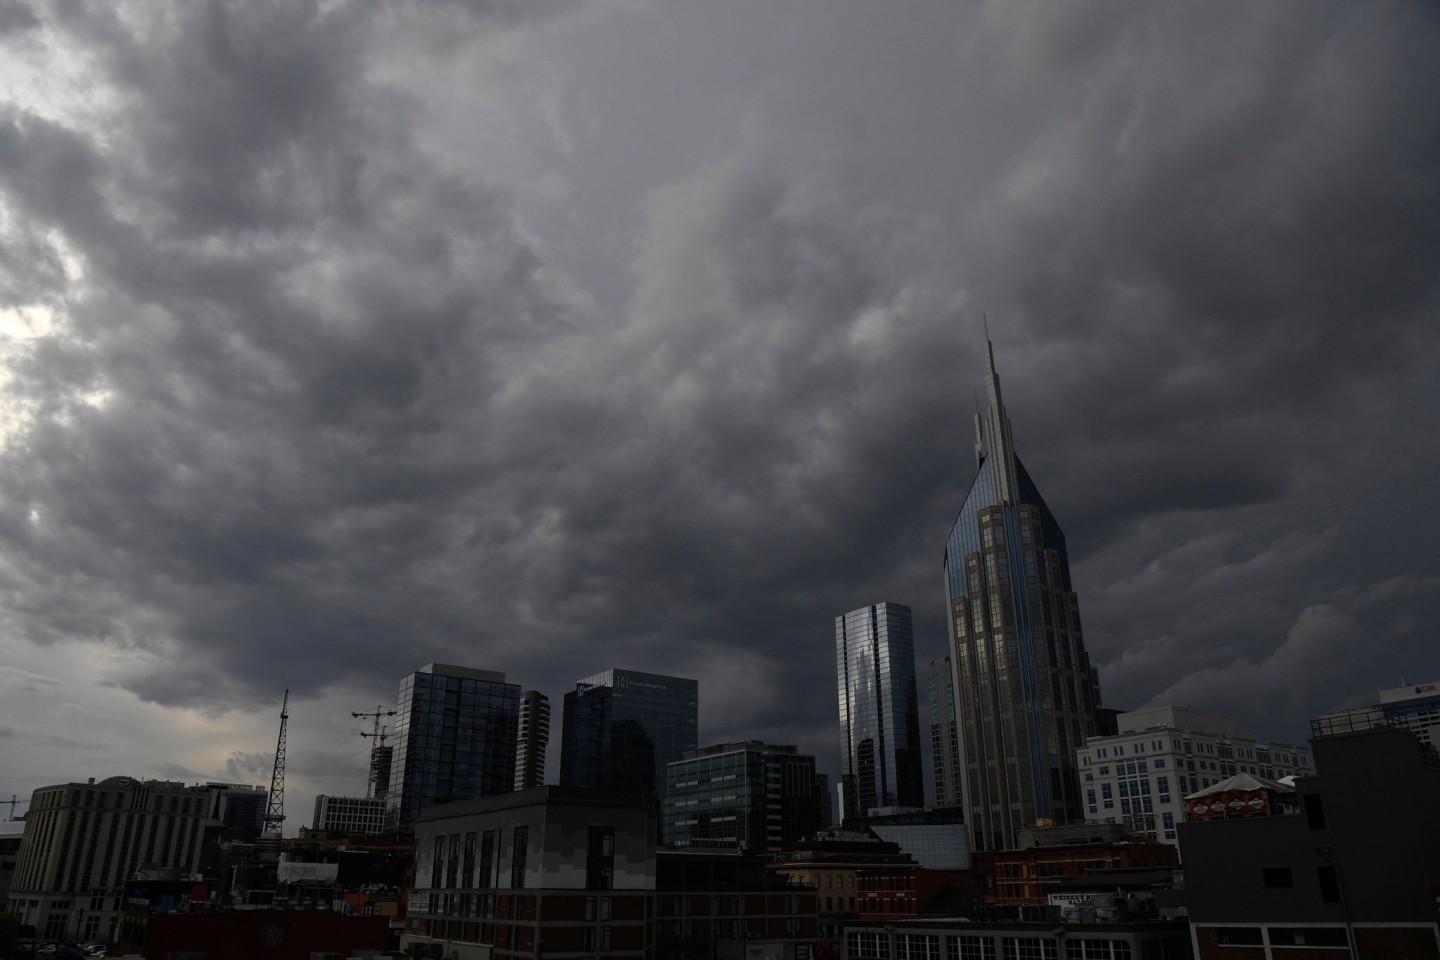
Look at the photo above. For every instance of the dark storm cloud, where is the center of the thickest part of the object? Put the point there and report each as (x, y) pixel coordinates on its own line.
(321, 408)
(295, 321)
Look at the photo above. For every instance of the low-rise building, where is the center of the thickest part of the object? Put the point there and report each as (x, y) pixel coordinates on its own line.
(831, 864)
(563, 871)
(1024, 877)
(904, 890)
(1354, 865)
(933, 938)
(248, 934)
(1139, 777)
(719, 904)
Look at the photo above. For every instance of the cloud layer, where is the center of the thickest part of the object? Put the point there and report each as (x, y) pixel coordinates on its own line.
(345, 337)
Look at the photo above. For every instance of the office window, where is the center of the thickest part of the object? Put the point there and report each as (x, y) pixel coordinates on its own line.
(1277, 877)
(1314, 811)
(1329, 884)
(518, 851)
(600, 859)
(1308, 937)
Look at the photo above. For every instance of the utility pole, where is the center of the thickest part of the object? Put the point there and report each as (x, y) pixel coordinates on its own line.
(379, 735)
(14, 802)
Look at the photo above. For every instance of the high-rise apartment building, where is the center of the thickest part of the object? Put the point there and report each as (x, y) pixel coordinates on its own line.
(879, 715)
(454, 740)
(533, 738)
(1141, 776)
(83, 841)
(622, 727)
(241, 808)
(1025, 692)
(751, 796)
(357, 816)
(944, 734)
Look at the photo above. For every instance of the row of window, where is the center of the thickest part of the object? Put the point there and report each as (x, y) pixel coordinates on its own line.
(876, 945)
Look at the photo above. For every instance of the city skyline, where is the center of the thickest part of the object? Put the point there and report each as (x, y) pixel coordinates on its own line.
(549, 336)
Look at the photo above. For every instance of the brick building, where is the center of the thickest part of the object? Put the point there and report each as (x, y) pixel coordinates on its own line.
(1023, 877)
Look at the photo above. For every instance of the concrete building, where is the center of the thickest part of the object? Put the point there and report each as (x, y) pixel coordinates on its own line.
(936, 937)
(9, 855)
(1357, 866)
(879, 712)
(1415, 708)
(945, 748)
(1140, 776)
(1024, 691)
(531, 740)
(750, 796)
(359, 816)
(455, 730)
(622, 727)
(567, 872)
(83, 841)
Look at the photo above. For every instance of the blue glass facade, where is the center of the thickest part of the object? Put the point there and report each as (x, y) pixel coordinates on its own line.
(879, 715)
(1025, 693)
(455, 730)
(622, 727)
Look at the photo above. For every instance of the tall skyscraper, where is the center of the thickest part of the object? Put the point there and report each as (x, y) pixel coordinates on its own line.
(455, 731)
(1025, 692)
(945, 750)
(879, 715)
(534, 737)
(622, 727)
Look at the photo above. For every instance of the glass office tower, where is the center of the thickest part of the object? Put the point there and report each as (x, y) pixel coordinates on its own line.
(753, 796)
(945, 750)
(879, 715)
(455, 730)
(621, 728)
(1024, 690)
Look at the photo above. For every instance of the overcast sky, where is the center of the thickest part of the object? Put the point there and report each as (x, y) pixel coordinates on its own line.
(547, 337)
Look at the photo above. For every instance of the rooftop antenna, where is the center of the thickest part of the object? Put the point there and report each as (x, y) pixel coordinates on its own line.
(379, 736)
(275, 809)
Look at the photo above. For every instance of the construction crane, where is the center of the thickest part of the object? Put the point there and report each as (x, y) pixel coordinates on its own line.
(275, 809)
(372, 786)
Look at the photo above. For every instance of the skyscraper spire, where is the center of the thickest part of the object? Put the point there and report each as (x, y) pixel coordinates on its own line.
(992, 434)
